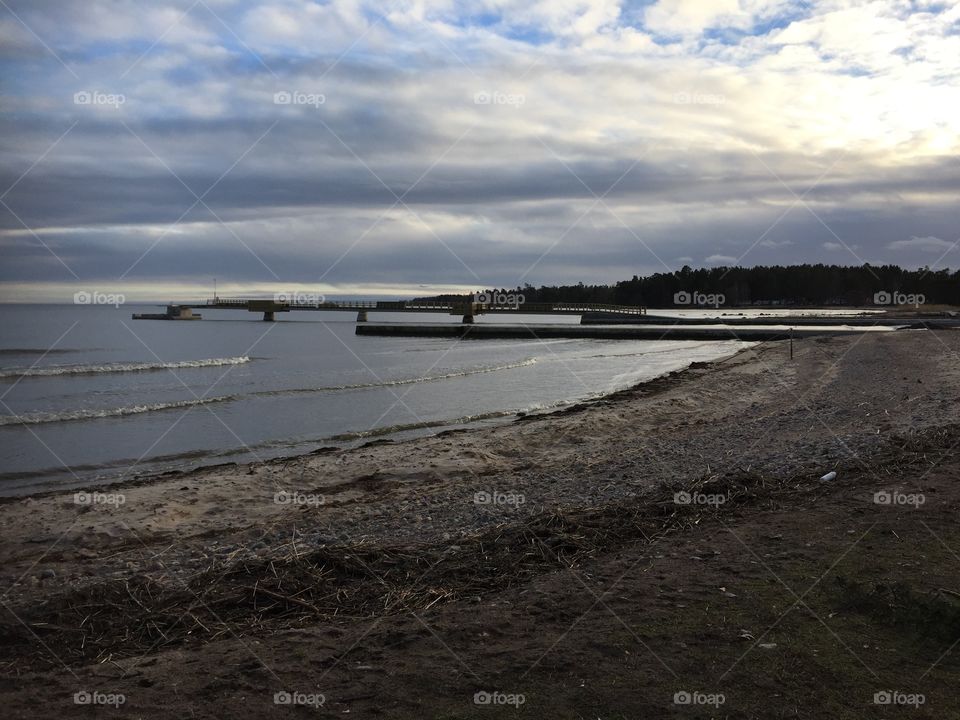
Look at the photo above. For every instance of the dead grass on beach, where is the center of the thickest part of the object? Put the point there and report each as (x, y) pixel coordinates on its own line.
(296, 586)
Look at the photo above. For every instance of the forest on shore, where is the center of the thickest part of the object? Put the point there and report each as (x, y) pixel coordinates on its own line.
(798, 285)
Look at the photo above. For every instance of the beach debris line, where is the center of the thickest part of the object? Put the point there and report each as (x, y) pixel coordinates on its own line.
(260, 592)
(267, 594)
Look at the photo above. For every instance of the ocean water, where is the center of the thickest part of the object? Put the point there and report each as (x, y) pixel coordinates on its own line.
(88, 395)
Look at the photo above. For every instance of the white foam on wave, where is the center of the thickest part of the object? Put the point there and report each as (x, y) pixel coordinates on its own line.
(57, 370)
(402, 381)
(94, 414)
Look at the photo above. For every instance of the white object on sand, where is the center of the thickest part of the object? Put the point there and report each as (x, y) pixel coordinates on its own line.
(832, 475)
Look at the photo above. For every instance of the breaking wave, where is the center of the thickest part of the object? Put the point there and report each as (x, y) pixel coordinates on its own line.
(95, 414)
(405, 381)
(57, 370)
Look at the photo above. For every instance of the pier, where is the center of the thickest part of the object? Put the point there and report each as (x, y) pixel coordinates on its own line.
(600, 332)
(466, 307)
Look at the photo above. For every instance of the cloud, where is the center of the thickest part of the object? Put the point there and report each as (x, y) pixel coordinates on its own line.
(693, 17)
(925, 244)
(698, 145)
(720, 260)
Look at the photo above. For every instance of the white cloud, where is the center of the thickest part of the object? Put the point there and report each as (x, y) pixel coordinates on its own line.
(924, 244)
(692, 17)
(775, 243)
(720, 259)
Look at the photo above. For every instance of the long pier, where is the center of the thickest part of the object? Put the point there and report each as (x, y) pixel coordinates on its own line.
(635, 331)
(465, 307)
(865, 320)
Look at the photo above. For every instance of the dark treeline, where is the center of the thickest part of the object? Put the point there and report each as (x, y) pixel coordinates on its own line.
(762, 285)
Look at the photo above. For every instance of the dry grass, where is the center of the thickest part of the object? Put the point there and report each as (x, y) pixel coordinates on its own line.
(296, 585)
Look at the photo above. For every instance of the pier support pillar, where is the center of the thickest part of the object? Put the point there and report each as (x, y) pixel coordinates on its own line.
(468, 319)
(268, 316)
(362, 316)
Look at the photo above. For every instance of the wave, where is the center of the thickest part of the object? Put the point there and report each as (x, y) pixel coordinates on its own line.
(95, 414)
(391, 429)
(39, 351)
(392, 383)
(680, 346)
(56, 370)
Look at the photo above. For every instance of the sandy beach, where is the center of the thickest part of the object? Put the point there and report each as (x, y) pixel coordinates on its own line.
(674, 538)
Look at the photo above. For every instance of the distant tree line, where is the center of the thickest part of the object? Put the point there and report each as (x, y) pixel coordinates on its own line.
(821, 285)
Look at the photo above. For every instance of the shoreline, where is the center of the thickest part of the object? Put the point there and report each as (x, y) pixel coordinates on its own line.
(510, 534)
(405, 436)
(703, 419)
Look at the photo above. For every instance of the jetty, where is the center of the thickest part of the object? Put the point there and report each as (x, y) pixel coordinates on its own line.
(602, 332)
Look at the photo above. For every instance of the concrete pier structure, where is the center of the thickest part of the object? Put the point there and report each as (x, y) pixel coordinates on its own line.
(618, 332)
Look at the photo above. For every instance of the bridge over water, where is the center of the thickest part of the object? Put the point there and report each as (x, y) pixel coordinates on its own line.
(465, 307)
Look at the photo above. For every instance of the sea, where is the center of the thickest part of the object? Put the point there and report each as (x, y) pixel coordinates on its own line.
(89, 396)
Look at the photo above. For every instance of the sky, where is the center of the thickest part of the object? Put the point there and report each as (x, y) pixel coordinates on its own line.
(352, 147)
